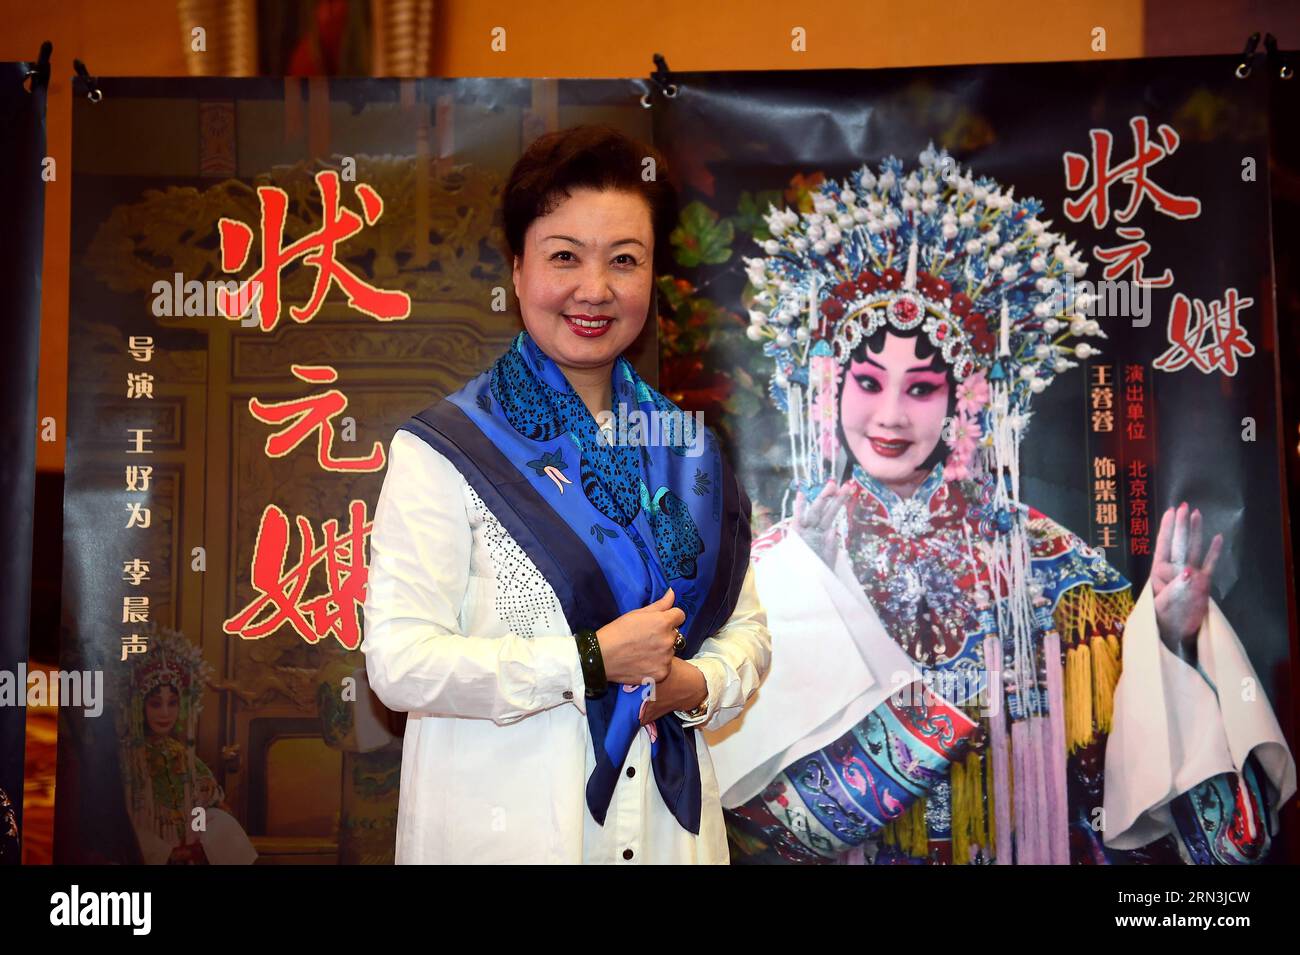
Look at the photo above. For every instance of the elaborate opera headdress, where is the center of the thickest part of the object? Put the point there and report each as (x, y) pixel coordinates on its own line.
(171, 660)
(988, 283)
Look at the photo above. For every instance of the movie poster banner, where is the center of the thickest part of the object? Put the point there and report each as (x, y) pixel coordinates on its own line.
(1016, 333)
(970, 334)
(269, 276)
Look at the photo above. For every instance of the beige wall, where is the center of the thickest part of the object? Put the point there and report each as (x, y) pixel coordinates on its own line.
(581, 38)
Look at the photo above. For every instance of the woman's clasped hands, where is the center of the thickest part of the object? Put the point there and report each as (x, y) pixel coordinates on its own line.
(640, 647)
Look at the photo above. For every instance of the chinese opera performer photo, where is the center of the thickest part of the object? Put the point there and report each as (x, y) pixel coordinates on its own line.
(956, 677)
(165, 780)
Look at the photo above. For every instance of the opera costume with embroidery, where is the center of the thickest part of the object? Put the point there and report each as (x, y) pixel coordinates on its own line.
(956, 677)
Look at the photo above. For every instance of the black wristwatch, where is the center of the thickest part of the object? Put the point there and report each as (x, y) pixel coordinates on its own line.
(593, 664)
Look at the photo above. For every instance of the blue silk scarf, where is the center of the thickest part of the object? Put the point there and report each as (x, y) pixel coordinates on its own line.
(610, 525)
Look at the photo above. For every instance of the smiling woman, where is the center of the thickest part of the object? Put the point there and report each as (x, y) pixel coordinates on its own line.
(584, 282)
(586, 235)
(556, 608)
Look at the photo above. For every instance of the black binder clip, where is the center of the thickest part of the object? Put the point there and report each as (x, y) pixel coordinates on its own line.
(93, 92)
(39, 72)
(1284, 70)
(1243, 67)
(662, 78)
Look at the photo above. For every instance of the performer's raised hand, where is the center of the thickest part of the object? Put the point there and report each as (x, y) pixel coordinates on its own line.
(815, 522)
(1180, 575)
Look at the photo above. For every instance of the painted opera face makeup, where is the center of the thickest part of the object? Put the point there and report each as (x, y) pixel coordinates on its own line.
(892, 410)
(161, 710)
(585, 279)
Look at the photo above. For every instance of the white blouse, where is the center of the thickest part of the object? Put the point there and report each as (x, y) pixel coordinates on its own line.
(464, 634)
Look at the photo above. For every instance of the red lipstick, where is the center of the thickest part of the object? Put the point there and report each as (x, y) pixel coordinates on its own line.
(891, 448)
(589, 326)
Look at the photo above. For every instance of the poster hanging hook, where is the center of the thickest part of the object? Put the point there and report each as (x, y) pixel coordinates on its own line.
(1243, 68)
(662, 78)
(93, 92)
(1284, 70)
(39, 72)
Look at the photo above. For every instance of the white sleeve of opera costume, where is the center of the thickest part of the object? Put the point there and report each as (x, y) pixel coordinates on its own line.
(418, 658)
(734, 660)
(832, 664)
(154, 849)
(1172, 731)
(224, 840)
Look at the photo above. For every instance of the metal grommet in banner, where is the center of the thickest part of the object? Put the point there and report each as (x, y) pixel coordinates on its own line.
(93, 92)
(1243, 68)
(40, 70)
(662, 78)
(1284, 70)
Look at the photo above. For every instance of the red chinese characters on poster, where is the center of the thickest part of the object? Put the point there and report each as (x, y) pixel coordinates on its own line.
(1137, 469)
(282, 586)
(318, 250)
(314, 414)
(1207, 336)
(334, 612)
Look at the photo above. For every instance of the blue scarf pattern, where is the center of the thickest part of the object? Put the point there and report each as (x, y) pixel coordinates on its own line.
(609, 525)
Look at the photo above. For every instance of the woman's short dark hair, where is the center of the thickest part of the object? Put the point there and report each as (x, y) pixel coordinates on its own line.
(595, 156)
(924, 349)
